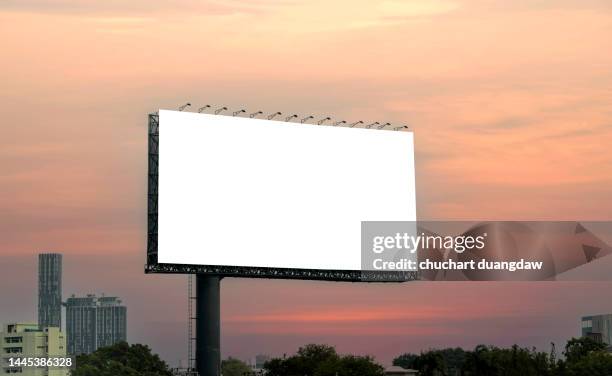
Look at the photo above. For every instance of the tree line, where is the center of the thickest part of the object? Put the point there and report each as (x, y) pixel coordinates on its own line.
(581, 357)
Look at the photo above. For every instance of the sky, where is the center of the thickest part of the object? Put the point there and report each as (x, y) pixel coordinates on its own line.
(510, 102)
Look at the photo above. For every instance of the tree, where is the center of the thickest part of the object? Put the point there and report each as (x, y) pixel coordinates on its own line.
(584, 356)
(595, 363)
(430, 363)
(276, 367)
(305, 362)
(322, 360)
(405, 360)
(234, 367)
(478, 362)
(577, 348)
(453, 359)
(434, 362)
(350, 365)
(312, 355)
(121, 359)
(515, 361)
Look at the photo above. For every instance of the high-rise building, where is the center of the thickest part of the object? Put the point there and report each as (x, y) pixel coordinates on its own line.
(93, 322)
(27, 340)
(50, 290)
(598, 327)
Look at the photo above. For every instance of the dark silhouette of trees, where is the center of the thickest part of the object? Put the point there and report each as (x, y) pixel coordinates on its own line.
(430, 363)
(121, 359)
(434, 362)
(583, 356)
(578, 348)
(597, 363)
(515, 361)
(405, 361)
(322, 360)
(234, 367)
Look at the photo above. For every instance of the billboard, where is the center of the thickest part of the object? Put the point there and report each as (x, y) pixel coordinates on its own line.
(247, 197)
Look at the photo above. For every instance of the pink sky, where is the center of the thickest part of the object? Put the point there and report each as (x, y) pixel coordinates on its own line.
(511, 105)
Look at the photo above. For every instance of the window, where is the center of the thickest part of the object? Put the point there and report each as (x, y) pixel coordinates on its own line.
(13, 350)
(13, 339)
(587, 323)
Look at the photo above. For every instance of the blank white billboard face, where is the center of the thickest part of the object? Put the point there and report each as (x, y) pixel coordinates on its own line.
(248, 192)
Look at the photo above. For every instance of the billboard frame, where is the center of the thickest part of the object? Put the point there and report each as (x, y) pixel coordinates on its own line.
(153, 266)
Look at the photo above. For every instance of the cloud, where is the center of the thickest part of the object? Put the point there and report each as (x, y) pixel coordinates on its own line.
(325, 16)
(538, 5)
(405, 10)
(291, 15)
(138, 7)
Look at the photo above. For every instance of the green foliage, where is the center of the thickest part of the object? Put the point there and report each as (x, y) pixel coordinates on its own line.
(121, 359)
(596, 363)
(349, 365)
(322, 360)
(434, 362)
(583, 357)
(234, 367)
(430, 363)
(311, 356)
(454, 359)
(515, 361)
(484, 360)
(578, 348)
(405, 360)
(305, 362)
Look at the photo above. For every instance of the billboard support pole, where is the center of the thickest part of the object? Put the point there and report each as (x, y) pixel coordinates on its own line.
(208, 325)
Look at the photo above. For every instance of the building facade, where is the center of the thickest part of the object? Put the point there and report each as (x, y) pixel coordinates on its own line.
(50, 290)
(93, 322)
(27, 340)
(598, 327)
